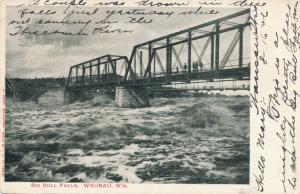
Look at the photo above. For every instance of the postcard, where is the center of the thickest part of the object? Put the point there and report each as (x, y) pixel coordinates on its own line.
(150, 96)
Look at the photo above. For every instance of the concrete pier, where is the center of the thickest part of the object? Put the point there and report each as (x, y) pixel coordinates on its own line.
(131, 98)
(68, 97)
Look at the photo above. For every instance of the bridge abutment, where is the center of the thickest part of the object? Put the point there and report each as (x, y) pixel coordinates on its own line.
(131, 97)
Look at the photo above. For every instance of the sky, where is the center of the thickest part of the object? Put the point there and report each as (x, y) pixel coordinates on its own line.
(52, 56)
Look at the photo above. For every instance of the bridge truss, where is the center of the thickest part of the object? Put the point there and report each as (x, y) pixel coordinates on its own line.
(191, 54)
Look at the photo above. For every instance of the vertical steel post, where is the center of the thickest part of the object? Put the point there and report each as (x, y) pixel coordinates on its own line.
(217, 46)
(189, 51)
(212, 51)
(241, 31)
(98, 71)
(76, 75)
(83, 72)
(154, 56)
(114, 66)
(69, 77)
(170, 60)
(168, 57)
(134, 63)
(149, 58)
(106, 71)
(141, 64)
(91, 73)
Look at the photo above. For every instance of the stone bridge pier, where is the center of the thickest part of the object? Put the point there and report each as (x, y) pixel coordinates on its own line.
(128, 97)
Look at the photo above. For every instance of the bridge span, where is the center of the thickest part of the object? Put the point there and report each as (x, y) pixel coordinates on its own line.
(211, 51)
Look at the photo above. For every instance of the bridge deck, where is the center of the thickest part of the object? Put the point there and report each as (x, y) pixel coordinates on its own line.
(237, 73)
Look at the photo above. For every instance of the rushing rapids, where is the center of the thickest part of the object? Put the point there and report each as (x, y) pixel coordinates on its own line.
(176, 140)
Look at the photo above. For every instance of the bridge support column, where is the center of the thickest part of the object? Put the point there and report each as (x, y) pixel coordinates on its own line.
(131, 97)
(69, 97)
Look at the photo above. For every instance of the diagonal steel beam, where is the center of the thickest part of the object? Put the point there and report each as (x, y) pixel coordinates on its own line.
(149, 65)
(129, 62)
(159, 62)
(205, 46)
(113, 66)
(232, 46)
(177, 56)
(230, 50)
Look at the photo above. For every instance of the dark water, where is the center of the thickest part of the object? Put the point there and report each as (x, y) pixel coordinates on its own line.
(178, 140)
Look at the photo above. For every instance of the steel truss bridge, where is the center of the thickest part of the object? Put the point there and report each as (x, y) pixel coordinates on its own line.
(184, 56)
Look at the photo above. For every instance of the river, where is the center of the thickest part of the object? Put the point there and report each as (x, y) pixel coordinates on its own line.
(175, 140)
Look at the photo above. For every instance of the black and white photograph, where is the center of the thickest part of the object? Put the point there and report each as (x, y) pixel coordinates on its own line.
(112, 94)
